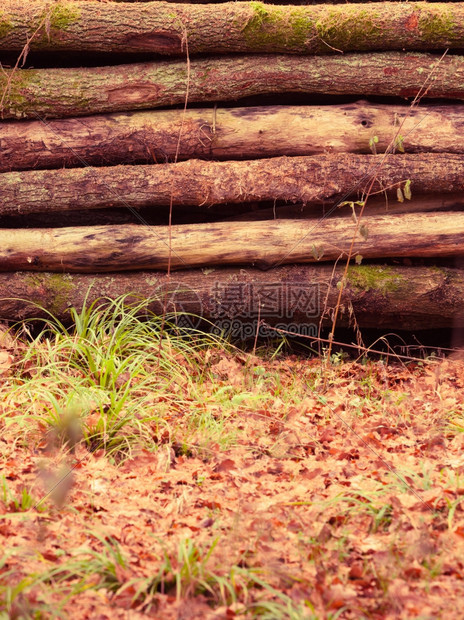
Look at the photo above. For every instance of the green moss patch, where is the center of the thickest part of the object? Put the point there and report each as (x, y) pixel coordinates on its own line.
(348, 27)
(59, 288)
(345, 28)
(374, 277)
(275, 26)
(56, 18)
(436, 23)
(16, 101)
(63, 15)
(5, 25)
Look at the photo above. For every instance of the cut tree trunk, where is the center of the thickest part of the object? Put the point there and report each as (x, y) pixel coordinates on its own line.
(264, 244)
(167, 28)
(380, 296)
(236, 133)
(198, 183)
(41, 93)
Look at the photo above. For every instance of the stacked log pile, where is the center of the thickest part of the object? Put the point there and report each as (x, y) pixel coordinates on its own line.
(229, 158)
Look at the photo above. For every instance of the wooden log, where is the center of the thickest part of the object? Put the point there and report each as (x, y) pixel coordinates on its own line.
(229, 133)
(166, 28)
(391, 297)
(198, 183)
(265, 244)
(57, 93)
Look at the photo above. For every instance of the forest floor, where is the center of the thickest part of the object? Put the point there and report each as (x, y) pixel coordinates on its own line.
(143, 477)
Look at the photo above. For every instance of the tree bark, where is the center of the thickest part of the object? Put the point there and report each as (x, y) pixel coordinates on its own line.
(167, 28)
(223, 133)
(388, 297)
(198, 183)
(57, 93)
(265, 244)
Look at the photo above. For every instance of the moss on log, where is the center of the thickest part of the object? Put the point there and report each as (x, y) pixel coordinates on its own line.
(57, 93)
(392, 297)
(167, 28)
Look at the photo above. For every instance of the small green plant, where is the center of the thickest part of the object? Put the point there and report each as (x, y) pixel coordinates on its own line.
(358, 502)
(23, 601)
(452, 507)
(399, 143)
(109, 378)
(336, 359)
(21, 502)
(186, 574)
(405, 192)
(373, 144)
(353, 204)
(317, 252)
